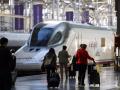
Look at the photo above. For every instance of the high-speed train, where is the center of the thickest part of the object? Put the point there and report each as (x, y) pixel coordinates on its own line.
(15, 39)
(100, 43)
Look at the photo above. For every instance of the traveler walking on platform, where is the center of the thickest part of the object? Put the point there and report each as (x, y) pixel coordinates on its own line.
(5, 68)
(50, 62)
(82, 56)
(63, 61)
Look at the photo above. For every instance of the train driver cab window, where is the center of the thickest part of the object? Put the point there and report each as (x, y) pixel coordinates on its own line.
(42, 37)
(34, 35)
(56, 38)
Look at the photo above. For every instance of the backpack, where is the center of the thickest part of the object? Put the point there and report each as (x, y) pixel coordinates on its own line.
(74, 59)
(48, 60)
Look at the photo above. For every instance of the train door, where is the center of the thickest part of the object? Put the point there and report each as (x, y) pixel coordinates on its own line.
(117, 53)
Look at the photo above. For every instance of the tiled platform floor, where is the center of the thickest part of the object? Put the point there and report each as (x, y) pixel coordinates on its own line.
(110, 80)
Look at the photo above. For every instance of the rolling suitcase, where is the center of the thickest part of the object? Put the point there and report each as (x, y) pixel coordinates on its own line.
(54, 80)
(72, 71)
(93, 75)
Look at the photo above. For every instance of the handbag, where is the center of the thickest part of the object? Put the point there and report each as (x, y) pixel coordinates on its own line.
(48, 60)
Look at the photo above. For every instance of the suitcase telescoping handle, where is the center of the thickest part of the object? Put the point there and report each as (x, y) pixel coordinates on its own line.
(94, 62)
(96, 66)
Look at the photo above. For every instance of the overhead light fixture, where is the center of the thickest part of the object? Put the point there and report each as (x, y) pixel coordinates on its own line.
(109, 1)
(67, 1)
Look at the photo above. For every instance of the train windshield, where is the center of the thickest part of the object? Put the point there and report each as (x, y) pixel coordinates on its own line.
(42, 37)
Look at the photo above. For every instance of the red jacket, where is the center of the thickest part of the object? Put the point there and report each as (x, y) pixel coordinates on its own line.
(82, 56)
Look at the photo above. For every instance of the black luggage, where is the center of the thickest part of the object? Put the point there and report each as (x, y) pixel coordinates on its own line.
(72, 71)
(93, 75)
(54, 80)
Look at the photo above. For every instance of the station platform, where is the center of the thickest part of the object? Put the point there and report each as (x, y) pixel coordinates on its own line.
(109, 80)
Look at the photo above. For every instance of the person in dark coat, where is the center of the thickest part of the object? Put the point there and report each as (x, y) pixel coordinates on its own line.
(51, 68)
(5, 72)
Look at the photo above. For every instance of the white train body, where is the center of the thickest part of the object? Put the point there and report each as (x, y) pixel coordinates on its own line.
(16, 39)
(100, 43)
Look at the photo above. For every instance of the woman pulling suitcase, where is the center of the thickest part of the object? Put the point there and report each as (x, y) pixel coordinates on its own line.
(82, 56)
(53, 78)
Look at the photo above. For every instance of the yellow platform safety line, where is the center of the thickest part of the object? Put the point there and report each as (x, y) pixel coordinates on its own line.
(98, 67)
(101, 64)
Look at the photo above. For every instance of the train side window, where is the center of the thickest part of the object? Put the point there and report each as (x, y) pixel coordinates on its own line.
(56, 38)
(102, 42)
